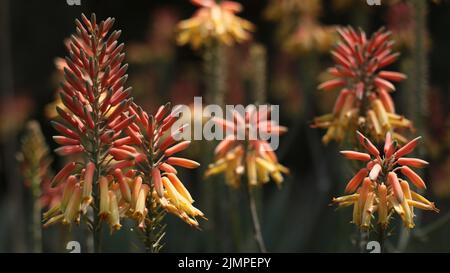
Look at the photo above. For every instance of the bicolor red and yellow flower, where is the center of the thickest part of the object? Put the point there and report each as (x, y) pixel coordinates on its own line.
(251, 157)
(95, 114)
(382, 186)
(150, 146)
(364, 101)
(214, 22)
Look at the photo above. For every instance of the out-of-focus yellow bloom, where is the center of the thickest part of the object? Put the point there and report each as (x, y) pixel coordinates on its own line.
(310, 35)
(300, 30)
(214, 22)
(364, 101)
(278, 9)
(377, 187)
(35, 160)
(253, 158)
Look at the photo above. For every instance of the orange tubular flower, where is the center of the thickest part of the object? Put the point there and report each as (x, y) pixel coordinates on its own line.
(364, 101)
(154, 160)
(377, 186)
(95, 114)
(251, 157)
(214, 22)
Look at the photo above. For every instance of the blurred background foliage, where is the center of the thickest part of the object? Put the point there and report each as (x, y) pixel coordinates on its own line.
(295, 217)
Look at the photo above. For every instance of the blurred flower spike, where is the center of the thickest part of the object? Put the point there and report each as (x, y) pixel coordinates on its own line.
(377, 187)
(364, 101)
(35, 165)
(248, 154)
(214, 22)
(157, 141)
(300, 28)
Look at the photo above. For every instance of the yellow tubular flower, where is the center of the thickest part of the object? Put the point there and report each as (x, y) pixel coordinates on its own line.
(139, 210)
(214, 22)
(180, 187)
(382, 206)
(73, 208)
(176, 202)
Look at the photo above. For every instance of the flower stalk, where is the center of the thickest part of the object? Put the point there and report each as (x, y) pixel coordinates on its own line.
(35, 163)
(214, 26)
(249, 160)
(255, 220)
(258, 57)
(94, 115)
(155, 187)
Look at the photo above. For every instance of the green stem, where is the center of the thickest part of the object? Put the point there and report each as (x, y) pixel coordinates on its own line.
(97, 160)
(89, 236)
(421, 86)
(363, 240)
(216, 73)
(255, 220)
(37, 220)
(97, 227)
(420, 64)
(154, 231)
(258, 78)
(381, 237)
(215, 70)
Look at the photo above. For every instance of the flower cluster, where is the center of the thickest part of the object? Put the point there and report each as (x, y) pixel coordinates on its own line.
(155, 141)
(94, 115)
(249, 155)
(122, 144)
(214, 22)
(377, 187)
(364, 101)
